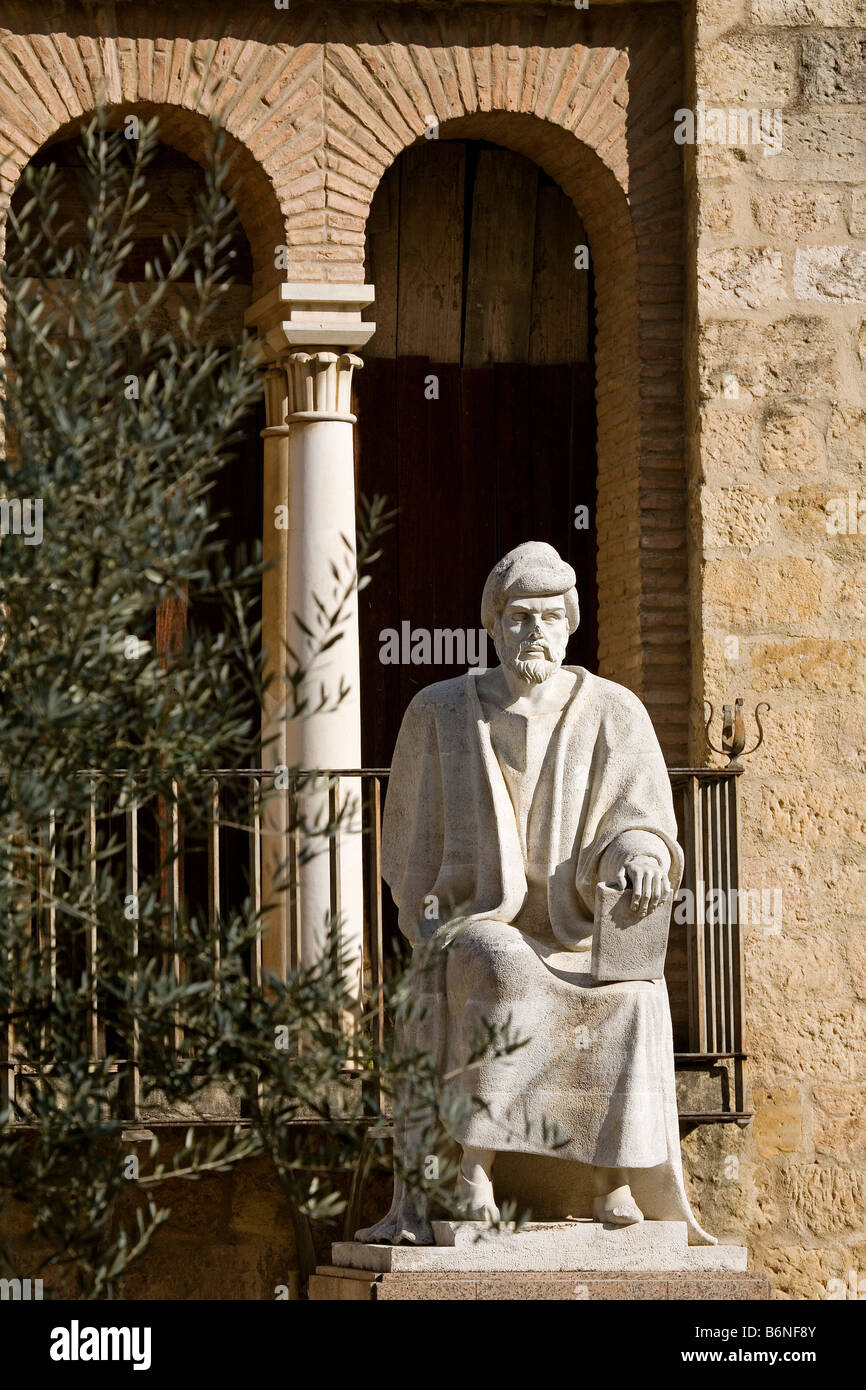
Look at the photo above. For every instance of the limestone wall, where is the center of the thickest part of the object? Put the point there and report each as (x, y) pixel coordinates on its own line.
(776, 354)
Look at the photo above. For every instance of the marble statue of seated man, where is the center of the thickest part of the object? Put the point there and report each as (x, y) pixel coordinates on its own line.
(513, 792)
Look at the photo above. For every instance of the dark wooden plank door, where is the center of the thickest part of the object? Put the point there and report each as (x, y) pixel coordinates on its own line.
(494, 462)
(476, 414)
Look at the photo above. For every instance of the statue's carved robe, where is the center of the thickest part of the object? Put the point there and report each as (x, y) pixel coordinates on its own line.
(512, 867)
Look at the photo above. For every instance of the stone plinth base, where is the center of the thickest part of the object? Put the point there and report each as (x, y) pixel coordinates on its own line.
(333, 1284)
(552, 1247)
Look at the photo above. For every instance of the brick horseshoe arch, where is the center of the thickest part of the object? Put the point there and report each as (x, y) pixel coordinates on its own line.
(192, 134)
(594, 117)
(591, 100)
(604, 209)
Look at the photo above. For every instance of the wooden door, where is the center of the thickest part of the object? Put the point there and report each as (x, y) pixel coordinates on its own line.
(476, 415)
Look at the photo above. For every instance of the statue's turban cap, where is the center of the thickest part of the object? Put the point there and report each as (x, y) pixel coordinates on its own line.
(531, 570)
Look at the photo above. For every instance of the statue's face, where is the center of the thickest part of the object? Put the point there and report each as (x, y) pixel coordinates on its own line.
(531, 635)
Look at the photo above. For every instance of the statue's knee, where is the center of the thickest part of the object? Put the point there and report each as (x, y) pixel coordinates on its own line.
(486, 956)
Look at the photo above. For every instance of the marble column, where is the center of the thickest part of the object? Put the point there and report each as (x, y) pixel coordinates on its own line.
(305, 336)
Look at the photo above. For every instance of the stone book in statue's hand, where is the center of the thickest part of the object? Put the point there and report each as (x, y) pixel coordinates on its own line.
(627, 945)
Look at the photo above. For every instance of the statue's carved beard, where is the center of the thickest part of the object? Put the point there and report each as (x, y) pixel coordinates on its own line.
(535, 670)
(532, 669)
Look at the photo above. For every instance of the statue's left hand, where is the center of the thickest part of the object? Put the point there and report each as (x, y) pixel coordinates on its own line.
(647, 879)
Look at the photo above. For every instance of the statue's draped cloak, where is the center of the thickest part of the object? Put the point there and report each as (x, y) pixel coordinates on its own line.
(600, 1061)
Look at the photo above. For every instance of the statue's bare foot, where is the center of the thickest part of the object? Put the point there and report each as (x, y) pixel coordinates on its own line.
(405, 1224)
(401, 1229)
(617, 1208)
(475, 1196)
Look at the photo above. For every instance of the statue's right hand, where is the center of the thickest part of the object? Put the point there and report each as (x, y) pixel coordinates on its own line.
(648, 881)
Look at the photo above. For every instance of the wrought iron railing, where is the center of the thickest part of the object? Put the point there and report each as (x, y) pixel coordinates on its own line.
(222, 861)
(709, 902)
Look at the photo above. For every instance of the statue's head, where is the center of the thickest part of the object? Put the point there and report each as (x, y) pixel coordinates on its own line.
(529, 607)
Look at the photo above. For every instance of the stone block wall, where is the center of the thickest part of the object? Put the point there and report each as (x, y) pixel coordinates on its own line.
(776, 357)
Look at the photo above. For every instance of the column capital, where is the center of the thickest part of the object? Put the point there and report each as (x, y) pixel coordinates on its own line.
(320, 385)
(276, 399)
(310, 315)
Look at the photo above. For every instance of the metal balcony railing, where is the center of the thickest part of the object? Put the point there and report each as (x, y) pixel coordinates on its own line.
(709, 902)
(221, 863)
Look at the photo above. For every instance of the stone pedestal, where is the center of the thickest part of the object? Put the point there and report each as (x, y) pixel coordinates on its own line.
(332, 1283)
(546, 1246)
(545, 1260)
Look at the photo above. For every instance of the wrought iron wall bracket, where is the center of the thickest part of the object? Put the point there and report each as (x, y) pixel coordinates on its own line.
(734, 730)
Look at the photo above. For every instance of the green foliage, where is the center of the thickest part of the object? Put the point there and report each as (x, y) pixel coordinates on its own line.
(96, 721)
(118, 429)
